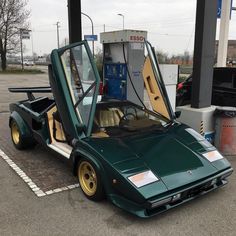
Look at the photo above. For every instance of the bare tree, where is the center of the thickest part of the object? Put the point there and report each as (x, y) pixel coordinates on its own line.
(162, 56)
(186, 57)
(13, 16)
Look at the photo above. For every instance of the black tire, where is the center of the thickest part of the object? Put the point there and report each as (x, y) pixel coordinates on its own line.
(90, 180)
(19, 141)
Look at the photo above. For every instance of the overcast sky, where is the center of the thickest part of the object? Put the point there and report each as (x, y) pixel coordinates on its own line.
(170, 23)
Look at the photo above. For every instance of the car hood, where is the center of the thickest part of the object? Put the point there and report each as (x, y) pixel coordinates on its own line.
(173, 156)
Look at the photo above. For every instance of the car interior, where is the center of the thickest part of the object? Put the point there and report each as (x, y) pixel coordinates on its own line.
(116, 118)
(57, 134)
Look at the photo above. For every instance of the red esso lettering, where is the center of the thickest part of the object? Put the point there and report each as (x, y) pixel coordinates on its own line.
(141, 38)
(136, 38)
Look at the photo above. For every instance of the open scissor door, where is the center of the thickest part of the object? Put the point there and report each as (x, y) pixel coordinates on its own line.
(155, 85)
(75, 84)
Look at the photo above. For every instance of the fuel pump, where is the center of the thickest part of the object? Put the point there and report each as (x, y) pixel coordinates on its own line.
(123, 55)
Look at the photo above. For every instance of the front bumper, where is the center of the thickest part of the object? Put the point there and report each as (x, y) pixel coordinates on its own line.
(171, 199)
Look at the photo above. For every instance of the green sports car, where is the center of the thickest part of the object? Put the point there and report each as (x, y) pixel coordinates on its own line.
(142, 160)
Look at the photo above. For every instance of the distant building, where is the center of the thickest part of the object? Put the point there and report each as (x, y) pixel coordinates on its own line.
(231, 53)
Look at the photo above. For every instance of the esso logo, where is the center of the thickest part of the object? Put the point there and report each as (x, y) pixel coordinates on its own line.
(136, 38)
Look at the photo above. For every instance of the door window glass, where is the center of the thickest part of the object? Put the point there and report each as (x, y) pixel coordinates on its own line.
(81, 80)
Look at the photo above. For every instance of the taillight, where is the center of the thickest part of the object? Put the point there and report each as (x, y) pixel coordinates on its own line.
(179, 86)
(101, 88)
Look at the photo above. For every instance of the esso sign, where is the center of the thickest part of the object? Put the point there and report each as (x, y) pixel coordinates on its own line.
(136, 38)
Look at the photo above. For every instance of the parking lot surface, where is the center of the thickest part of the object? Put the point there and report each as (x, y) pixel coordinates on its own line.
(46, 169)
(70, 213)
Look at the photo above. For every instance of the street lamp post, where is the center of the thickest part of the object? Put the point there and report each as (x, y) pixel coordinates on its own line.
(24, 34)
(92, 29)
(58, 40)
(123, 19)
(21, 50)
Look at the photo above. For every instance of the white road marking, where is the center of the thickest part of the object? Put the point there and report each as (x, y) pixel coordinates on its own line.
(38, 192)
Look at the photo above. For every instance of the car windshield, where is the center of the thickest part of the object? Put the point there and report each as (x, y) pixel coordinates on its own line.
(121, 118)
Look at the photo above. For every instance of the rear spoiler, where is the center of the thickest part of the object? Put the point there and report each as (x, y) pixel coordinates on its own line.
(30, 91)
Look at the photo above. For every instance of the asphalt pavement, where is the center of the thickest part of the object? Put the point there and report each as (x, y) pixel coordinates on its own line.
(70, 213)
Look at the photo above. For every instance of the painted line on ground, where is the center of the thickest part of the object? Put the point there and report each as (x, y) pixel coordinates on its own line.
(38, 192)
(4, 112)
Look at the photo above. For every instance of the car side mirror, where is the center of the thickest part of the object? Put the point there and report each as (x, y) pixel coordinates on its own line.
(177, 114)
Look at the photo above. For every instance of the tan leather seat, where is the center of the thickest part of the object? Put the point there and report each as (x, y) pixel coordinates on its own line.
(108, 118)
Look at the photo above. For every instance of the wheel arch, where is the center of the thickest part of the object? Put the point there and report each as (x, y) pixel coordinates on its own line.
(76, 157)
(24, 128)
(78, 154)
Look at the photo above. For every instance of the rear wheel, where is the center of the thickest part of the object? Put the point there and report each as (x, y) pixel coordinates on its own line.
(90, 180)
(19, 141)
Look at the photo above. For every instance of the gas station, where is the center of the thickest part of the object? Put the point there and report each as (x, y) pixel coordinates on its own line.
(123, 53)
(118, 47)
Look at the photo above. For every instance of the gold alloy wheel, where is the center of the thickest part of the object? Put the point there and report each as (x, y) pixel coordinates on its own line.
(87, 178)
(15, 133)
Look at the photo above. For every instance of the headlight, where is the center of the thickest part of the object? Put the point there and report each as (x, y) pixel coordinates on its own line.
(143, 178)
(213, 156)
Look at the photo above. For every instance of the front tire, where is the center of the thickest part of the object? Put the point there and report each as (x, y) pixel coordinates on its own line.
(90, 180)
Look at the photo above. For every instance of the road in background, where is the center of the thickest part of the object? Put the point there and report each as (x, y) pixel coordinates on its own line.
(19, 80)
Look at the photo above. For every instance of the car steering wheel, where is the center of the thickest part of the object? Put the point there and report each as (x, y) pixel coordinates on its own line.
(125, 118)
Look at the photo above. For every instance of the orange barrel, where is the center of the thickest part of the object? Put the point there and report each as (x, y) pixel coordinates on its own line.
(225, 130)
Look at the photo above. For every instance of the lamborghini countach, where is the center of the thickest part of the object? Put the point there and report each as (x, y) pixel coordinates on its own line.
(142, 160)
